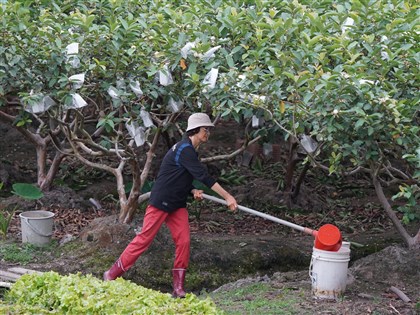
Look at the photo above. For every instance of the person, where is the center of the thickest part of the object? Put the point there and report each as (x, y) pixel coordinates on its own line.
(168, 201)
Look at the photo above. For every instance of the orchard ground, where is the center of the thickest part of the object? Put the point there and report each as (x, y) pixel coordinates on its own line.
(248, 265)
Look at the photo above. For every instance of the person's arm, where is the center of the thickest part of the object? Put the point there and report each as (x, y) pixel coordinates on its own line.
(230, 200)
(190, 161)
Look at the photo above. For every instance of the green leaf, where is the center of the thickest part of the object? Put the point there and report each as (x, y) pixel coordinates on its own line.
(100, 123)
(27, 191)
(289, 75)
(226, 113)
(315, 40)
(307, 97)
(359, 123)
(230, 61)
(236, 49)
(124, 24)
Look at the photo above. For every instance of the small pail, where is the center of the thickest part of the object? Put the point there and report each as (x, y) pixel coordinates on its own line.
(36, 226)
(328, 237)
(328, 272)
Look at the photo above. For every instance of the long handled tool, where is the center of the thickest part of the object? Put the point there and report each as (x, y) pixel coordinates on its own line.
(328, 237)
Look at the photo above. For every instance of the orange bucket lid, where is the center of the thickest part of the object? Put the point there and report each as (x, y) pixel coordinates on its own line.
(328, 238)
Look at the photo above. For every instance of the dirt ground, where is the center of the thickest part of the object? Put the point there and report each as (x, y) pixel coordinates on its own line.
(368, 290)
(369, 283)
(371, 276)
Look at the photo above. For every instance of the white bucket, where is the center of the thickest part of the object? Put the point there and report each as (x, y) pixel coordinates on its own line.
(328, 272)
(36, 226)
(345, 245)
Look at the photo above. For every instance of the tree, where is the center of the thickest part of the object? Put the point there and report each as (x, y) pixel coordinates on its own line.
(115, 79)
(344, 74)
(365, 106)
(121, 72)
(23, 71)
(348, 75)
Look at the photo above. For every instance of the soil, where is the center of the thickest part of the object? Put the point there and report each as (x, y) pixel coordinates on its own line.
(379, 261)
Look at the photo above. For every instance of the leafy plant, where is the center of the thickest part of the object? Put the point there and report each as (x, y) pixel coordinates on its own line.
(78, 294)
(411, 208)
(78, 176)
(195, 209)
(27, 191)
(5, 219)
(258, 166)
(231, 177)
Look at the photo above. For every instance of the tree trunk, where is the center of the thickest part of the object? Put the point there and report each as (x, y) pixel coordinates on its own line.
(127, 214)
(411, 242)
(44, 177)
(299, 182)
(52, 171)
(129, 206)
(291, 166)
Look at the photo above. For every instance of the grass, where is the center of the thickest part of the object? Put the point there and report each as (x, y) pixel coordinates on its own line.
(25, 252)
(258, 298)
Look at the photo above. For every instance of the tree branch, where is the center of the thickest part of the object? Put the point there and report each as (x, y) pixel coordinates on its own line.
(84, 160)
(409, 241)
(231, 155)
(144, 197)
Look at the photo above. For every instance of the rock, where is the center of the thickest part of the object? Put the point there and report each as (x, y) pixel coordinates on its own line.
(393, 266)
(107, 230)
(66, 239)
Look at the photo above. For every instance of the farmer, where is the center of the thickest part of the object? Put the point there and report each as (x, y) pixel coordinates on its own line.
(168, 202)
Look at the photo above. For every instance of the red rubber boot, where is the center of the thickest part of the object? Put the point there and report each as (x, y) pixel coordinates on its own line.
(178, 283)
(114, 272)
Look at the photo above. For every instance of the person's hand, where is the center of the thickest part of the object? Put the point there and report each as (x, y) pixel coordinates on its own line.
(231, 203)
(198, 194)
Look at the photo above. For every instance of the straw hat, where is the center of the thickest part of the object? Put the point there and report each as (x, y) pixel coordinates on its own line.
(199, 120)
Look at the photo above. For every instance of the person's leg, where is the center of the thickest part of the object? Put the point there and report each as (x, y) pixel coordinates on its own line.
(153, 220)
(177, 223)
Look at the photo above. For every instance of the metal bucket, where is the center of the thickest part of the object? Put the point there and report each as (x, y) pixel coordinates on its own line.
(36, 226)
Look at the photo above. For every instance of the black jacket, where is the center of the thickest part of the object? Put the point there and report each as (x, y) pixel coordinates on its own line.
(179, 168)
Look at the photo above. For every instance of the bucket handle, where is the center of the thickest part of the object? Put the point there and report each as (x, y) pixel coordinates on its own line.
(311, 274)
(35, 229)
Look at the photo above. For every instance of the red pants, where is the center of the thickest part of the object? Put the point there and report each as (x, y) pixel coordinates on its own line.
(177, 223)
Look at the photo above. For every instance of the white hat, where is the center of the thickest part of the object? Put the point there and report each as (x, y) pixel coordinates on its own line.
(199, 120)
